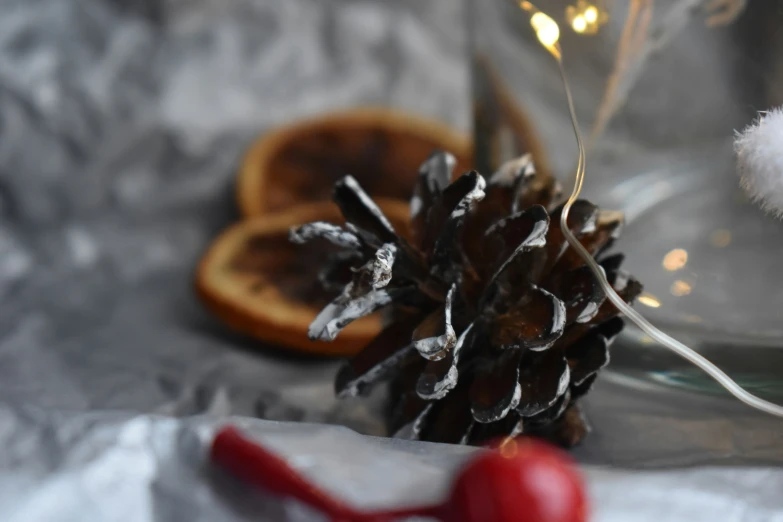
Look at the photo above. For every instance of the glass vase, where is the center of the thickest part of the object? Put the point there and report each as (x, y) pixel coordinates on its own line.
(660, 87)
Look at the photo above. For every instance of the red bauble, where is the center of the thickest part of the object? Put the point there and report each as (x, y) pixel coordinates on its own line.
(521, 481)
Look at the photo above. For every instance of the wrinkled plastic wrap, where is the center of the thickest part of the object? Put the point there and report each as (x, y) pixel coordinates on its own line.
(121, 126)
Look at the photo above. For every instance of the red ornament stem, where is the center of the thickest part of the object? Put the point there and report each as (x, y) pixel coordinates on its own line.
(523, 481)
(252, 463)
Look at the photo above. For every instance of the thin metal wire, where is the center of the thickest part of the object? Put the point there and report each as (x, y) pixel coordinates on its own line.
(657, 335)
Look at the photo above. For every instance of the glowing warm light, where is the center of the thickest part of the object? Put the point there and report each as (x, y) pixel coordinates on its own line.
(546, 29)
(649, 300)
(694, 319)
(720, 238)
(675, 260)
(681, 288)
(585, 18)
(579, 24)
(591, 15)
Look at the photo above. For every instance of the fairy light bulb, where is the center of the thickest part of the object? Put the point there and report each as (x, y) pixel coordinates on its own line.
(591, 14)
(546, 29)
(585, 17)
(579, 24)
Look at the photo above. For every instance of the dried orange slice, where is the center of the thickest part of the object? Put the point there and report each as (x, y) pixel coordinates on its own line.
(381, 148)
(258, 283)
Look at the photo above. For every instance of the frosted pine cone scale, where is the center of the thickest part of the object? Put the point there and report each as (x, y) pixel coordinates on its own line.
(496, 326)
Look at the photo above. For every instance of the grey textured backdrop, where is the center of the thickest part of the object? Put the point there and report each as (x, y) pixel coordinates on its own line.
(121, 126)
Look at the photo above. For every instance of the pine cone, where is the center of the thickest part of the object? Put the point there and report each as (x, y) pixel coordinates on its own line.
(495, 327)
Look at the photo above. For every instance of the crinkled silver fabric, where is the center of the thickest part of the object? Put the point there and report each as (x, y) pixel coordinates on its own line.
(106, 467)
(121, 126)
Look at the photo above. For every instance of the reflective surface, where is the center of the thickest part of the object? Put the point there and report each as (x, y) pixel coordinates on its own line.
(101, 234)
(660, 88)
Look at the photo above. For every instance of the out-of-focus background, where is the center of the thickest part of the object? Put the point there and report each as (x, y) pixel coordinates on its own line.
(122, 124)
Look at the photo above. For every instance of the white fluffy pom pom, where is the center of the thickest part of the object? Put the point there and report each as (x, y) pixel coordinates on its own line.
(759, 149)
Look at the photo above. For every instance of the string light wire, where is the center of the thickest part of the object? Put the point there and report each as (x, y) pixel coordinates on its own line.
(545, 28)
